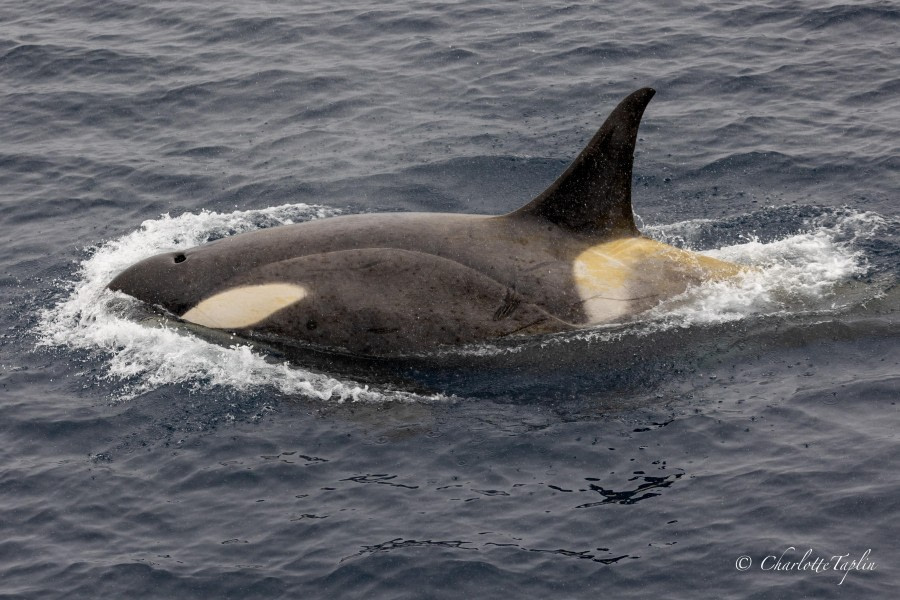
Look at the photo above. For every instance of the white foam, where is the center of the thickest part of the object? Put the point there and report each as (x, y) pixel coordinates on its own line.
(799, 273)
(146, 357)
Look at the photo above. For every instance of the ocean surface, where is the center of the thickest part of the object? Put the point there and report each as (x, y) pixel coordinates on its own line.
(739, 441)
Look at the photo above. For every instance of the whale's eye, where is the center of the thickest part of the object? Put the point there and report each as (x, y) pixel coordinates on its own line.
(180, 258)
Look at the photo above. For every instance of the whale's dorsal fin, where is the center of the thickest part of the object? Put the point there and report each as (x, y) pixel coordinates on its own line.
(593, 196)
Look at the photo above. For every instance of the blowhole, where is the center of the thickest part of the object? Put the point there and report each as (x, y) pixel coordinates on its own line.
(180, 258)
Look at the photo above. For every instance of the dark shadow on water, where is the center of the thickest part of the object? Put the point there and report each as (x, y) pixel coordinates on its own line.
(598, 365)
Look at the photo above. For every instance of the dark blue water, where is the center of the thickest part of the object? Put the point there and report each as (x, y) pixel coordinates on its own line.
(636, 461)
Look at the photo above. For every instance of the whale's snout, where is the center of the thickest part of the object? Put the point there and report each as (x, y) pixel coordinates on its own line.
(163, 280)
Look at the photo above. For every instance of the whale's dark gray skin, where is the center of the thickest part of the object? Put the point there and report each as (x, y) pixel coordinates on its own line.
(384, 284)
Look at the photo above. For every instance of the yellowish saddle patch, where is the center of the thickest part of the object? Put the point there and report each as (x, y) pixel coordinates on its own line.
(611, 277)
(244, 306)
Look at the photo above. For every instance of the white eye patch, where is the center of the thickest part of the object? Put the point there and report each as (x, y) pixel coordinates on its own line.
(244, 306)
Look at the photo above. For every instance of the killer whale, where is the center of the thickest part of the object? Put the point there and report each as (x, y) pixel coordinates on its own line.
(385, 284)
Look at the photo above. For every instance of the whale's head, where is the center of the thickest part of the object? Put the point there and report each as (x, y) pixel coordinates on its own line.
(171, 281)
(196, 286)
